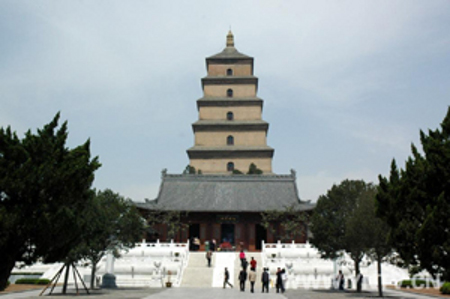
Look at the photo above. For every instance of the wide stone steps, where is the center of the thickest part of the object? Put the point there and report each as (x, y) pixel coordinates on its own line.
(197, 273)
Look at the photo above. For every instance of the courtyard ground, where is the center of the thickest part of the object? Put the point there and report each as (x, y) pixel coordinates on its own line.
(208, 293)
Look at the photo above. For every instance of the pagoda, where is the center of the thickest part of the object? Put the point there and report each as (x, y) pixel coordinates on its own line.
(230, 133)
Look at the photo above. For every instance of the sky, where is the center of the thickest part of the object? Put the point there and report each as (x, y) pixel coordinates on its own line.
(347, 85)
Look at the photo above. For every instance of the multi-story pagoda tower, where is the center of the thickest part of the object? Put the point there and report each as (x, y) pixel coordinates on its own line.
(230, 133)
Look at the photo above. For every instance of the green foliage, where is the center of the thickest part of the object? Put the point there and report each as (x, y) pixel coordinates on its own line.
(173, 220)
(110, 223)
(415, 202)
(345, 220)
(44, 187)
(418, 283)
(254, 170)
(189, 170)
(236, 171)
(291, 223)
(331, 216)
(40, 281)
(445, 288)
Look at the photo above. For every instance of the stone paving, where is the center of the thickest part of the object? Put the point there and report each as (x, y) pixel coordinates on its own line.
(208, 293)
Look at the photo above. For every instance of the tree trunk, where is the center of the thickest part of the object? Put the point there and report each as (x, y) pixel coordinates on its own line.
(66, 279)
(93, 270)
(6, 266)
(357, 271)
(380, 286)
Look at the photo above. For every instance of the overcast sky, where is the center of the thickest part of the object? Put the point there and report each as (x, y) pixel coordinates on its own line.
(347, 85)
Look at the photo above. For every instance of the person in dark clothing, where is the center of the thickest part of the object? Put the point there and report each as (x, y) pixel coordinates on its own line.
(226, 277)
(340, 280)
(212, 245)
(279, 281)
(208, 257)
(245, 264)
(242, 279)
(265, 280)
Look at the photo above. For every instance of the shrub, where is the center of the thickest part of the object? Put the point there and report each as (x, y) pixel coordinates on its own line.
(445, 289)
(32, 281)
(408, 283)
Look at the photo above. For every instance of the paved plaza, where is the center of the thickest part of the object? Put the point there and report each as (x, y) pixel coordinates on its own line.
(208, 293)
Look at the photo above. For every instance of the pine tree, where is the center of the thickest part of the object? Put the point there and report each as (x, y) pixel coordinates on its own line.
(415, 202)
(43, 188)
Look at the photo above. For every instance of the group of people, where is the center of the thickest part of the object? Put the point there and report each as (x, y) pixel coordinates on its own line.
(280, 281)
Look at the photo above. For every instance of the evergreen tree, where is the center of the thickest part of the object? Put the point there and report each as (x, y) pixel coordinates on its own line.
(415, 202)
(43, 189)
(254, 170)
(111, 223)
(335, 226)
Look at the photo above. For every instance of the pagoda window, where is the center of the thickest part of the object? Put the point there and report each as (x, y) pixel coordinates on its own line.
(229, 72)
(230, 93)
(230, 115)
(230, 140)
(230, 166)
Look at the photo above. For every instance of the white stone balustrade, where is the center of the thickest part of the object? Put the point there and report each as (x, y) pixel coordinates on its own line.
(307, 269)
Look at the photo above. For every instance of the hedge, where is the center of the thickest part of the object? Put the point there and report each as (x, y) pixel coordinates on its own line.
(445, 289)
(32, 281)
(408, 283)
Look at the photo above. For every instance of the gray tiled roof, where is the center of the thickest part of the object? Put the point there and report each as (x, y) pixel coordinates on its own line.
(227, 193)
(229, 53)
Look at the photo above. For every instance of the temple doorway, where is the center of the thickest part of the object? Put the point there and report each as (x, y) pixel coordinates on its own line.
(227, 233)
(194, 232)
(261, 235)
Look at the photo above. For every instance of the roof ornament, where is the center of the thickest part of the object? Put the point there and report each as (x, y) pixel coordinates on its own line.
(293, 173)
(163, 172)
(230, 39)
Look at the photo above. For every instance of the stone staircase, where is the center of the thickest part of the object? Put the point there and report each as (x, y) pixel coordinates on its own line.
(197, 273)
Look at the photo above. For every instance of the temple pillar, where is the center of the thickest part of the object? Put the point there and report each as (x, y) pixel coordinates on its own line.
(251, 237)
(202, 235)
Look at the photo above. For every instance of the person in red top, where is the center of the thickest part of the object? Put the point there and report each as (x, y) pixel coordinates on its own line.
(253, 263)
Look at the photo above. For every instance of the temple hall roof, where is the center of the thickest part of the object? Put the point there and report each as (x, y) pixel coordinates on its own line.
(227, 193)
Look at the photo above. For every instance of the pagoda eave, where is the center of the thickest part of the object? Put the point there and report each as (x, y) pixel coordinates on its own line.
(197, 152)
(229, 126)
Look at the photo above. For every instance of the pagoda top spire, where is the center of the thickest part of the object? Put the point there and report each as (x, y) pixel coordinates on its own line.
(230, 39)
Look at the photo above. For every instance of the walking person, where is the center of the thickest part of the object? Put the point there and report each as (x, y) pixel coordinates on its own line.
(278, 281)
(226, 277)
(253, 263)
(242, 257)
(245, 264)
(252, 279)
(284, 279)
(340, 280)
(265, 280)
(208, 257)
(242, 279)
